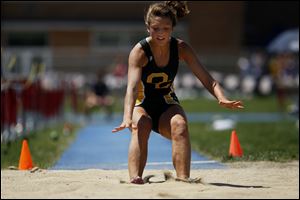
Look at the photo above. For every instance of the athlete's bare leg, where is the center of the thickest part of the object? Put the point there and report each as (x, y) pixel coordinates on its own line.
(173, 125)
(138, 148)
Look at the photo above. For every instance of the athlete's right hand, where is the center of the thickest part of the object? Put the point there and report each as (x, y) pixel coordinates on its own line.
(125, 124)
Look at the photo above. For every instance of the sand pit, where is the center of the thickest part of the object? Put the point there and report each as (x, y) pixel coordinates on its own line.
(239, 180)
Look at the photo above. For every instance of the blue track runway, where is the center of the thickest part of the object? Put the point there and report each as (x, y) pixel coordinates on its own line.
(96, 147)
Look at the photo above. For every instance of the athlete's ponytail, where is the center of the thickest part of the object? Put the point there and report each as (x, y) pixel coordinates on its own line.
(179, 8)
(172, 9)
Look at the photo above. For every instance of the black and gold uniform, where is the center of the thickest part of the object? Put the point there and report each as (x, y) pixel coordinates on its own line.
(156, 92)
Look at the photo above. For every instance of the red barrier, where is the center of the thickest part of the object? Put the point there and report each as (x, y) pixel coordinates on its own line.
(33, 98)
(29, 97)
(8, 107)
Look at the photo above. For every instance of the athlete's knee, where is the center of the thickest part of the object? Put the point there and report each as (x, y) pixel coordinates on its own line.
(179, 128)
(144, 124)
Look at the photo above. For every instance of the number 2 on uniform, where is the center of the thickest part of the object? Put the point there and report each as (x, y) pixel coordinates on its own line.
(158, 85)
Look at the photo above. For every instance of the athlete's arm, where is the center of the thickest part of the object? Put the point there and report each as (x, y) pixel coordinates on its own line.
(136, 60)
(187, 54)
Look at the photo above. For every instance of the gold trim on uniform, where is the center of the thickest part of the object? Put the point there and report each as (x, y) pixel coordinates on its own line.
(141, 94)
(168, 98)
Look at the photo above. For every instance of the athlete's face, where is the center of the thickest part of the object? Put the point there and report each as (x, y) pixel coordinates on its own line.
(160, 30)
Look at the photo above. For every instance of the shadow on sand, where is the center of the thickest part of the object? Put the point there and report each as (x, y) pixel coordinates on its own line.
(237, 186)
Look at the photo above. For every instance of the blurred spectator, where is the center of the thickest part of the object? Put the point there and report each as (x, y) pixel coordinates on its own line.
(253, 68)
(284, 68)
(120, 70)
(98, 95)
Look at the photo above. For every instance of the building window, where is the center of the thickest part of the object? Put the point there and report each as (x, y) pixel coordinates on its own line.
(107, 38)
(128, 37)
(136, 37)
(27, 39)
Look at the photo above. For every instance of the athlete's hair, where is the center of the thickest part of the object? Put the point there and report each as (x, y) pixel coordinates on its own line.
(174, 10)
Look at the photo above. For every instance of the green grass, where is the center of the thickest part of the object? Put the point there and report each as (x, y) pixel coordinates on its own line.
(46, 146)
(201, 104)
(257, 104)
(275, 141)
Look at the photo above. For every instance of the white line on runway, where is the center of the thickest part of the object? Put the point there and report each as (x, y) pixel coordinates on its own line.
(170, 163)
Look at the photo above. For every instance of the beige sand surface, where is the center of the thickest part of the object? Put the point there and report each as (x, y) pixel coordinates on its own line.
(239, 180)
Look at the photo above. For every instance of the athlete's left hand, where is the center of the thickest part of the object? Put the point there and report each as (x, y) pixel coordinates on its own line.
(125, 124)
(234, 104)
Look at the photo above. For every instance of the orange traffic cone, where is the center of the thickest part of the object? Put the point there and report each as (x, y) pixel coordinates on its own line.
(235, 149)
(25, 161)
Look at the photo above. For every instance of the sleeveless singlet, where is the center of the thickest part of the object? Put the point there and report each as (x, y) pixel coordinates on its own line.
(156, 92)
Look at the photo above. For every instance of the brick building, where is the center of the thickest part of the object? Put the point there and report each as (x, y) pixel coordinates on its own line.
(81, 36)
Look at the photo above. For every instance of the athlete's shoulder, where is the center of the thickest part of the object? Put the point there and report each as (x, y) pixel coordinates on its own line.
(181, 43)
(183, 47)
(138, 49)
(138, 54)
